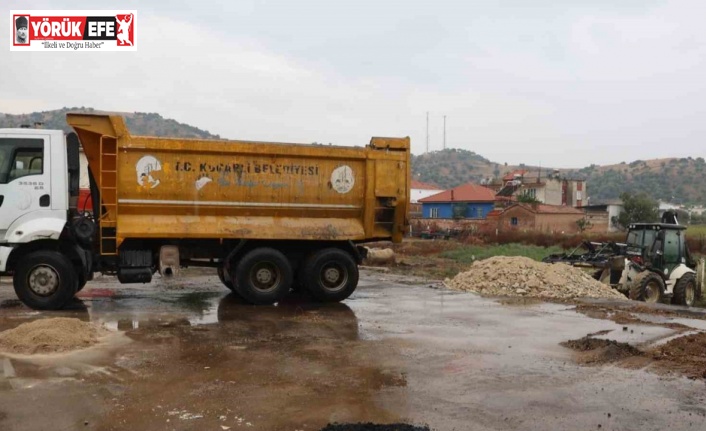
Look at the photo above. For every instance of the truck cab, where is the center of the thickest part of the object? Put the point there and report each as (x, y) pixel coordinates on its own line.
(34, 197)
(39, 174)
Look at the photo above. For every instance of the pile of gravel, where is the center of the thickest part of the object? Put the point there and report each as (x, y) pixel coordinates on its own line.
(521, 276)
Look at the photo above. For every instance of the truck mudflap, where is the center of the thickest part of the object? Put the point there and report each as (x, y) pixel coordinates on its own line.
(360, 252)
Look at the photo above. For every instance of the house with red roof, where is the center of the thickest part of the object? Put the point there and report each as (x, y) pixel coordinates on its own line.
(536, 217)
(549, 188)
(467, 201)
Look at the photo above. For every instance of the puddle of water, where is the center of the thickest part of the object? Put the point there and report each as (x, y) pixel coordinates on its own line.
(638, 334)
(673, 337)
(658, 319)
(208, 317)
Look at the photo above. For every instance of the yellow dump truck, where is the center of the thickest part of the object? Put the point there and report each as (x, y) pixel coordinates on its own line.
(267, 216)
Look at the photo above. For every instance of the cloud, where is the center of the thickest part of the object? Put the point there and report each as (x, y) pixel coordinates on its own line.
(564, 84)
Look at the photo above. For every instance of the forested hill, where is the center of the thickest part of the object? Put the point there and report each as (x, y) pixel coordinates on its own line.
(671, 180)
(139, 123)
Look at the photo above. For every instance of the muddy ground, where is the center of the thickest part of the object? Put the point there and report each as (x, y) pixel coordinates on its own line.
(186, 355)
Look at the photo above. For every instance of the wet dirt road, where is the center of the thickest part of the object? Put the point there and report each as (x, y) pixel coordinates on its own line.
(185, 355)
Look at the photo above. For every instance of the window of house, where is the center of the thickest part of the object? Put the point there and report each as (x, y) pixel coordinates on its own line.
(435, 213)
(513, 221)
(479, 212)
(460, 210)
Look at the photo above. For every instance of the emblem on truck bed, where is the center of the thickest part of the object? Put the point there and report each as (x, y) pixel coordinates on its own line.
(343, 179)
(145, 166)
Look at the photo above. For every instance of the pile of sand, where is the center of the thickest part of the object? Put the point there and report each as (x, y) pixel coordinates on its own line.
(521, 276)
(49, 336)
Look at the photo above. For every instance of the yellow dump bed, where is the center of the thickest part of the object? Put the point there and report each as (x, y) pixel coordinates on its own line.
(189, 188)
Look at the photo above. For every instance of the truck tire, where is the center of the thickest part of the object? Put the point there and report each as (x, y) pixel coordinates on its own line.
(330, 275)
(685, 290)
(263, 276)
(45, 280)
(81, 280)
(647, 287)
(225, 278)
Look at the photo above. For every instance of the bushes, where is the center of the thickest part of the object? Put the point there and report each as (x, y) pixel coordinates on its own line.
(695, 241)
(541, 239)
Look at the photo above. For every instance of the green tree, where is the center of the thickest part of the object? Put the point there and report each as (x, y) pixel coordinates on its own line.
(583, 224)
(637, 208)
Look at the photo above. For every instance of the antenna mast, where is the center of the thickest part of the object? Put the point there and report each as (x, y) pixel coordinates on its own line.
(427, 131)
(444, 131)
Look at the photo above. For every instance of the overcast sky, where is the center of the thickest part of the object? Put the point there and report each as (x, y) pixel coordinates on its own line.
(562, 83)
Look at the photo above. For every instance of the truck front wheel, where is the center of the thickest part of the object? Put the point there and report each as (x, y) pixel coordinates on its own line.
(330, 275)
(45, 280)
(263, 276)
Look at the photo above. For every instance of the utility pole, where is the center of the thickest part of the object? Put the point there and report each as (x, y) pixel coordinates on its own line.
(444, 131)
(427, 131)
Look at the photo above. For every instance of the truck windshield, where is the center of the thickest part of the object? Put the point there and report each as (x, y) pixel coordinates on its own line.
(20, 157)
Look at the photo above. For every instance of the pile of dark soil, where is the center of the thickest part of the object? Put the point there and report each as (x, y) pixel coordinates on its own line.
(686, 355)
(373, 427)
(602, 351)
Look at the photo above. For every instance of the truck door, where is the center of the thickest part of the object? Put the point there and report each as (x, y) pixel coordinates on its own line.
(24, 177)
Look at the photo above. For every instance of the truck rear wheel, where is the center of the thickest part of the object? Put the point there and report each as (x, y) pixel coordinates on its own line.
(225, 278)
(263, 276)
(330, 275)
(647, 287)
(45, 280)
(82, 280)
(685, 290)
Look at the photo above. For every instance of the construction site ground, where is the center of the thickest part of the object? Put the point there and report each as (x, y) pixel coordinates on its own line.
(185, 354)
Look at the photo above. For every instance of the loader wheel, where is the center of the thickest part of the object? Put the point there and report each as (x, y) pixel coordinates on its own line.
(647, 287)
(263, 276)
(685, 290)
(45, 280)
(225, 278)
(330, 275)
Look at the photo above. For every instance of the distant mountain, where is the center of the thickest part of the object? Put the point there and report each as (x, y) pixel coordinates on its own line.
(452, 167)
(681, 181)
(673, 180)
(139, 123)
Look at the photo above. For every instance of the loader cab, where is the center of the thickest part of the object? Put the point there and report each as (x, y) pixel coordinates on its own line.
(663, 246)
